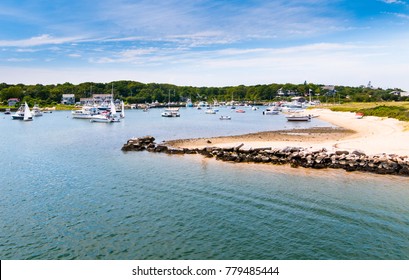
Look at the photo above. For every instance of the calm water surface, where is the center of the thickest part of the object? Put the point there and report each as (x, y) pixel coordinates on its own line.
(69, 192)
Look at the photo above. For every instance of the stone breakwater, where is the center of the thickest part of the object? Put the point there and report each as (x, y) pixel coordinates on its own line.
(294, 156)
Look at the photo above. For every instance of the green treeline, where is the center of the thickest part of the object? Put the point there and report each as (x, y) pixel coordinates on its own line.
(136, 92)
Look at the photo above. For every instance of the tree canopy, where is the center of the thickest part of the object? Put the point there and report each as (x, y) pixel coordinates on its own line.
(136, 92)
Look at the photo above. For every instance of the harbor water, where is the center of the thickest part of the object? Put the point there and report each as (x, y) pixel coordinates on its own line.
(67, 191)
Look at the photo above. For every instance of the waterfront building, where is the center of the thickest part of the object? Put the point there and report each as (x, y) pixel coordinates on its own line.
(68, 99)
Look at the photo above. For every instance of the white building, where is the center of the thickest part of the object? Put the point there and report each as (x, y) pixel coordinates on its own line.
(68, 99)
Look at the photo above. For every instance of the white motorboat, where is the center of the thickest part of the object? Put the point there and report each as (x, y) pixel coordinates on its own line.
(299, 118)
(102, 118)
(36, 112)
(171, 112)
(19, 114)
(210, 111)
(271, 111)
(202, 104)
(225, 118)
(86, 112)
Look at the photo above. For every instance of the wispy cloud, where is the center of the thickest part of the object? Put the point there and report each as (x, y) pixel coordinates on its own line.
(75, 55)
(393, 1)
(228, 57)
(205, 42)
(400, 15)
(199, 22)
(44, 39)
(134, 56)
(13, 59)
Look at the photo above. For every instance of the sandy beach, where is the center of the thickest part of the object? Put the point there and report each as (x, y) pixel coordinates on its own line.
(371, 135)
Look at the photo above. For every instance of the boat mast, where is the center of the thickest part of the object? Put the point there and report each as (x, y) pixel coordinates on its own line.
(169, 99)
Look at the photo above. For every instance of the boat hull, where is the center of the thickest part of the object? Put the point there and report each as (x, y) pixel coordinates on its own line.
(101, 120)
(170, 115)
(17, 117)
(299, 119)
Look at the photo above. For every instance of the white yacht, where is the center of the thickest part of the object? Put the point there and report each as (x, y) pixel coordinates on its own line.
(299, 117)
(86, 112)
(171, 112)
(36, 112)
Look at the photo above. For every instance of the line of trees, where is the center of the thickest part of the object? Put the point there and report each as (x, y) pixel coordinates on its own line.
(136, 92)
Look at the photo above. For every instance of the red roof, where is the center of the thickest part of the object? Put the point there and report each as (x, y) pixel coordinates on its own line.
(16, 99)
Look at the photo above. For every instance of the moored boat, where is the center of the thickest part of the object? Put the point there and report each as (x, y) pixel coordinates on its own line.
(19, 114)
(359, 115)
(210, 111)
(171, 112)
(271, 111)
(36, 112)
(23, 113)
(189, 103)
(112, 114)
(223, 118)
(86, 112)
(299, 118)
(102, 118)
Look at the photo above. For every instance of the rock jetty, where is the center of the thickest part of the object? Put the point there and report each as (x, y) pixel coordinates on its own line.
(294, 156)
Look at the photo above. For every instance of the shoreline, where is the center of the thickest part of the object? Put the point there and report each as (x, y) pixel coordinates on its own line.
(370, 135)
(372, 144)
(293, 156)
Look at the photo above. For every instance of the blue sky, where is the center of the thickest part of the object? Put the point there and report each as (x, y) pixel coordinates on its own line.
(206, 43)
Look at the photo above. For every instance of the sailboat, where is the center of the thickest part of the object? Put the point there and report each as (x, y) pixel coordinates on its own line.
(23, 113)
(28, 116)
(171, 112)
(107, 117)
(114, 116)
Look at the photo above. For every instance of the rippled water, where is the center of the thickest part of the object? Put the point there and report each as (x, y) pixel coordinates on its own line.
(69, 192)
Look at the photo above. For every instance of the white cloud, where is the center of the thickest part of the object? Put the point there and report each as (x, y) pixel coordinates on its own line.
(75, 55)
(393, 1)
(209, 43)
(201, 23)
(344, 64)
(400, 15)
(13, 59)
(41, 40)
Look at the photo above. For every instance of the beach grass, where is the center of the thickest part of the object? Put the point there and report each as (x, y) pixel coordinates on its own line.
(396, 110)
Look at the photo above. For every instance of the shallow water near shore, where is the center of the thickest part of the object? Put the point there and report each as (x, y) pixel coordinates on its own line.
(69, 192)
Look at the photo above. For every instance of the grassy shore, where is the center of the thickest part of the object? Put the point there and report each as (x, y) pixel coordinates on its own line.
(395, 110)
(57, 107)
